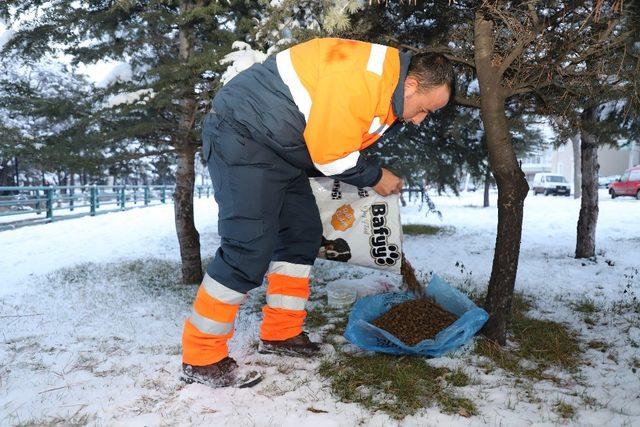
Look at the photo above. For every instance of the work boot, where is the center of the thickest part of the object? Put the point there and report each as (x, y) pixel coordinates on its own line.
(298, 346)
(220, 374)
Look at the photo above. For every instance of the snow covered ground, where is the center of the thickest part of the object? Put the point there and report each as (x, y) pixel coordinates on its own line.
(91, 314)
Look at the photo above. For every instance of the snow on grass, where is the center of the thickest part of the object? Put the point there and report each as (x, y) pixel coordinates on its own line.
(138, 233)
(92, 312)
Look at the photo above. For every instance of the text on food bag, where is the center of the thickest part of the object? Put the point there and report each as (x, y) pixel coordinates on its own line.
(383, 252)
(336, 194)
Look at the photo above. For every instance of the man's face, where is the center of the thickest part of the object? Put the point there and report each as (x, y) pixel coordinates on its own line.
(419, 104)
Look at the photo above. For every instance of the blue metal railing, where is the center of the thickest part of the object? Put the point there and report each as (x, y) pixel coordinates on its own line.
(47, 202)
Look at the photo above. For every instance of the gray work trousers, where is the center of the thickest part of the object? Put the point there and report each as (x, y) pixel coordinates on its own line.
(267, 211)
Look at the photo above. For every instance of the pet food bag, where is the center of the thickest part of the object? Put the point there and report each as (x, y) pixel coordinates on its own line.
(359, 226)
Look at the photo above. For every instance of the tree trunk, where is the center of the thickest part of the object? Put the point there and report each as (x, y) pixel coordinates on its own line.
(487, 185)
(586, 236)
(5, 176)
(466, 181)
(62, 182)
(186, 147)
(5, 173)
(577, 175)
(17, 167)
(512, 185)
(188, 236)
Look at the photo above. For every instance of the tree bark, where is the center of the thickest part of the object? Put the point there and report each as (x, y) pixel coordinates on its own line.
(188, 235)
(17, 168)
(4, 173)
(487, 185)
(62, 182)
(588, 219)
(512, 185)
(577, 175)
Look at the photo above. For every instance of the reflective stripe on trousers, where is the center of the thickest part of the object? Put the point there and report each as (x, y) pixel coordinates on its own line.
(207, 330)
(287, 294)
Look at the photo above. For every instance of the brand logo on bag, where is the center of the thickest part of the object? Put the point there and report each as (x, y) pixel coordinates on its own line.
(383, 252)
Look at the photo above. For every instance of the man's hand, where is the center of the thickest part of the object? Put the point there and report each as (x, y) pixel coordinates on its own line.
(388, 184)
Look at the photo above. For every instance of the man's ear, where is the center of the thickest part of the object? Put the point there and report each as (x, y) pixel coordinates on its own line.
(410, 85)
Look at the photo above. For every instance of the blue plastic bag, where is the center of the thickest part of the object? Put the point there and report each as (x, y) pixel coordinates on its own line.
(363, 334)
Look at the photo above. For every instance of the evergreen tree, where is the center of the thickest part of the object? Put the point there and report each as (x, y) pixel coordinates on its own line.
(173, 48)
(44, 105)
(595, 98)
(515, 51)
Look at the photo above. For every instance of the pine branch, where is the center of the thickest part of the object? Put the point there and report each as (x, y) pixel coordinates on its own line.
(468, 102)
(136, 156)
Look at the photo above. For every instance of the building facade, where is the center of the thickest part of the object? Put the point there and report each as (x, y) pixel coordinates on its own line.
(560, 161)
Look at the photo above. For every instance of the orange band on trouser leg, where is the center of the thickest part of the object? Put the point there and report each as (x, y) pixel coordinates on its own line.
(284, 313)
(206, 332)
(200, 349)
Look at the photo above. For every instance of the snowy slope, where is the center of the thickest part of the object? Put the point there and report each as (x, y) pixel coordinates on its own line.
(95, 344)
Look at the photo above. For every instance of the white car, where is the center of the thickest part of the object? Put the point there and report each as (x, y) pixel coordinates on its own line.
(549, 183)
(606, 181)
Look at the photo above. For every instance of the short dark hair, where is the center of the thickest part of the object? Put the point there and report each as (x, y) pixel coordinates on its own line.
(432, 70)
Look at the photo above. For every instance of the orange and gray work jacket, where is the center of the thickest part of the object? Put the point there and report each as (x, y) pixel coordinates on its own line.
(319, 103)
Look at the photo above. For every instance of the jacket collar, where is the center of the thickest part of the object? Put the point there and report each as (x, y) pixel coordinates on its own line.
(398, 93)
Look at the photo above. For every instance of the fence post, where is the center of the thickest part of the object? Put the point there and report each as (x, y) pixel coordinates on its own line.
(94, 200)
(135, 195)
(97, 196)
(199, 192)
(70, 191)
(38, 207)
(163, 194)
(122, 196)
(146, 195)
(49, 203)
(207, 191)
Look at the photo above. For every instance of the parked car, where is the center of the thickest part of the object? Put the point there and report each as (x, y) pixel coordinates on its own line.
(606, 181)
(549, 183)
(627, 185)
